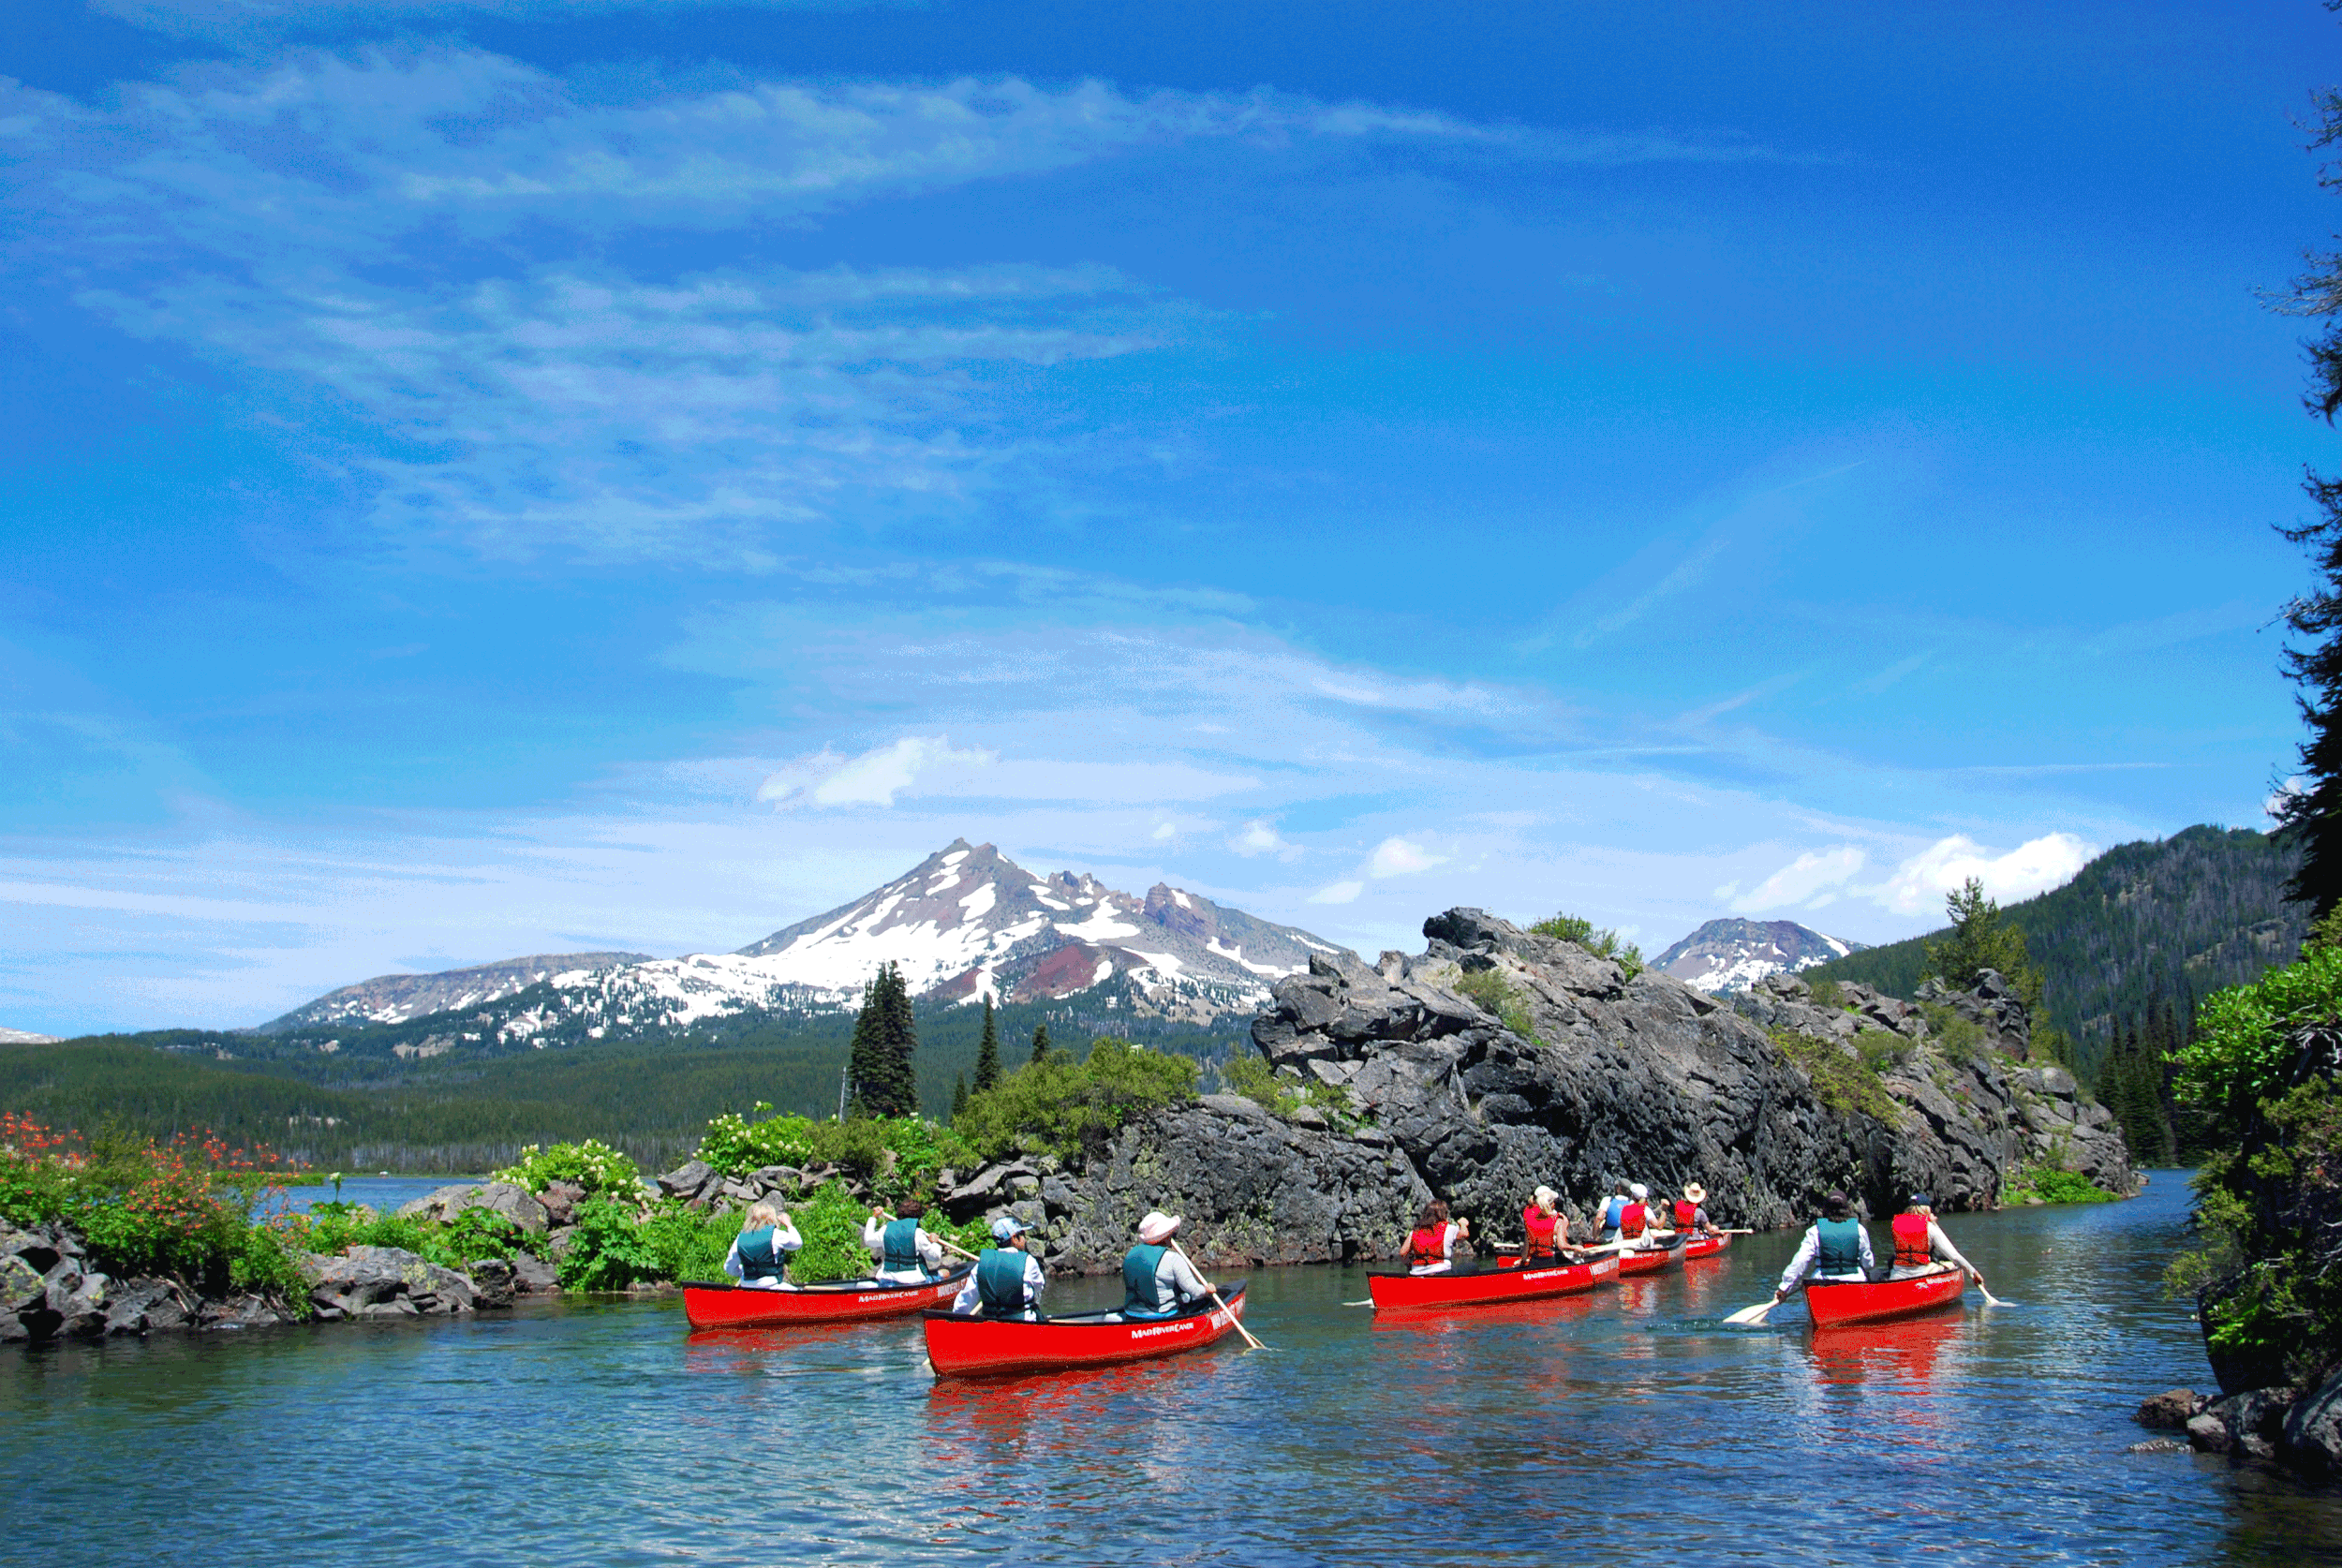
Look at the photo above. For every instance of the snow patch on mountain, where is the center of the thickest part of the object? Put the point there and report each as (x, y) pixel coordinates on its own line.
(1728, 955)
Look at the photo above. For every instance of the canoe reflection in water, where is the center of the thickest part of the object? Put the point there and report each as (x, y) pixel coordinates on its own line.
(1903, 1353)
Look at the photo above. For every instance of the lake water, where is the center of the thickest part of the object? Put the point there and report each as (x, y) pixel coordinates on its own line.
(1622, 1427)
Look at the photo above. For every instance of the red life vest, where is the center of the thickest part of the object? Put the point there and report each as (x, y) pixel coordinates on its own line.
(1911, 1249)
(1687, 1214)
(1630, 1220)
(1427, 1245)
(1540, 1226)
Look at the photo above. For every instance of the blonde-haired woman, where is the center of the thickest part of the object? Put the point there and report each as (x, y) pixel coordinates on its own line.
(760, 1253)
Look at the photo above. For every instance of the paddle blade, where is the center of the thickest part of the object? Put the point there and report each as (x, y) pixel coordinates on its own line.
(1992, 1300)
(1749, 1317)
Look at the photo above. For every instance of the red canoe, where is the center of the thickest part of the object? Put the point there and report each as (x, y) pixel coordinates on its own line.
(1871, 1301)
(966, 1347)
(712, 1304)
(1705, 1247)
(1431, 1292)
(1649, 1260)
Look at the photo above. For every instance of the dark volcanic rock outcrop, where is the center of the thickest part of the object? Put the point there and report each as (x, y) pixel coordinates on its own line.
(1499, 1060)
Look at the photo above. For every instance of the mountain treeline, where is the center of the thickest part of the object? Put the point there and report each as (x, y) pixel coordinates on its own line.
(471, 1105)
(2139, 935)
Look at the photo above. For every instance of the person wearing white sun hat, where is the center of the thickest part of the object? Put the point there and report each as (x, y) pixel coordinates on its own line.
(1635, 1217)
(1158, 1282)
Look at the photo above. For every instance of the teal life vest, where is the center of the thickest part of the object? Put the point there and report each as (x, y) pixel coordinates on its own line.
(1142, 1293)
(1001, 1280)
(760, 1259)
(1841, 1246)
(901, 1240)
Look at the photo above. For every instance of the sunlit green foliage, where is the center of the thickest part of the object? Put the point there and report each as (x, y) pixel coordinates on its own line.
(1254, 1079)
(1496, 993)
(1062, 1107)
(1601, 943)
(591, 1165)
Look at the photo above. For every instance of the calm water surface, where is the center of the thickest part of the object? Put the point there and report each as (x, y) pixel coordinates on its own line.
(1622, 1427)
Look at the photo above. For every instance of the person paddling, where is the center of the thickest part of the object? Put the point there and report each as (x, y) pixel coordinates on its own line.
(907, 1254)
(1691, 1219)
(1008, 1280)
(1835, 1247)
(1547, 1229)
(1612, 1209)
(1158, 1282)
(1920, 1242)
(1431, 1245)
(760, 1253)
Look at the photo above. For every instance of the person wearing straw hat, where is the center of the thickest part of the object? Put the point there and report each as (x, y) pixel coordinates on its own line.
(1545, 1227)
(1691, 1219)
(1158, 1282)
(1008, 1280)
(1921, 1247)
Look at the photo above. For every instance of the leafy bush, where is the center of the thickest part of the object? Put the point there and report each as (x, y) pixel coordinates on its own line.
(1493, 993)
(2053, 1185)
(193, 1208)
(1843, 1083)
(896, 1157)
(1961, 1039)
(1601, 943)
(1826, 994)
(593, 1166)
(606, 1250)
(1065, 1108)
(1254, 1079)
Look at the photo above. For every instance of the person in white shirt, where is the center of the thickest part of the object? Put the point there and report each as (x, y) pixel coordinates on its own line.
(1836, 1247)
(1919, 1243)
(1158, 1282)
(760, 1253)
(1008, 1280)
(907, 1254)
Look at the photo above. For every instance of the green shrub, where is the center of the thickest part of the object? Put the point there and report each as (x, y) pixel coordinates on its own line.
(2053, 1185)
(1825, 994)
(606, 1250)
(896, 1157)
(593, 1166)
(1493, 993)
(687, 1244)
(1958, 1037)
(1065, 1108)
(1843, 1083)
(1254, 1079)
(1602, 943)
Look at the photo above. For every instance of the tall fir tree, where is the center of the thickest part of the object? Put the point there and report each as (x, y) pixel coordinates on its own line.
(989, 1051)
(881, 1077)
(2311, 808)
(959, 1095)
(1040, 1044)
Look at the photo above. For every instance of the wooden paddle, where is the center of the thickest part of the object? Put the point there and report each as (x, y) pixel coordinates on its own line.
(1216, 1301)
(1751, 1317)
(1990, 1299)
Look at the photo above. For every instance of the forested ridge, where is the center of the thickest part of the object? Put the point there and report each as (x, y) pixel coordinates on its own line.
(2147, 927)
(472, 1103)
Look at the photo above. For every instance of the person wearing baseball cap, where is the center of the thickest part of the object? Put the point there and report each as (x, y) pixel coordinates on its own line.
(1158, 1282)
(1920, 1242)
(1545, 1229)
(1008, 1280)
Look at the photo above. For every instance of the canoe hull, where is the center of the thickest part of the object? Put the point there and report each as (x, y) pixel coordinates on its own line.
(1881, 1300)
(709, 1305)
(959, 1347)
(1705, 1247)
(1649, 1261)
(1439, 1293)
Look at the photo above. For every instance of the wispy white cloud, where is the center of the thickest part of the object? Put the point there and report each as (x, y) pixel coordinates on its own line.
(873, 779)
(1812, 875)
(1402, 857)
(2035, 866)
(1338, 892)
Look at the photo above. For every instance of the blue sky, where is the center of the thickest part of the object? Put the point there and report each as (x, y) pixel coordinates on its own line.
(514, 477)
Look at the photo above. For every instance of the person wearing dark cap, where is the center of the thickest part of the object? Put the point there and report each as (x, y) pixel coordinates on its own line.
(1836, 1247)
(1920, 1242)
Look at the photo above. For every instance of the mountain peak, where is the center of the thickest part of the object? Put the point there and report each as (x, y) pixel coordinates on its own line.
(1732, 955)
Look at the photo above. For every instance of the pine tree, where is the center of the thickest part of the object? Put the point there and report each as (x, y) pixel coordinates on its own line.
(2312, 811)
(882, 1079)
(1040, 1044)
(989, 1051)
(1981, 938)
(959, 1095)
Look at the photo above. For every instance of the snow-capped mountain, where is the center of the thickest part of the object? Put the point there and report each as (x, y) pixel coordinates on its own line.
(964, 923)
(393, 999)
(1733, 954)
